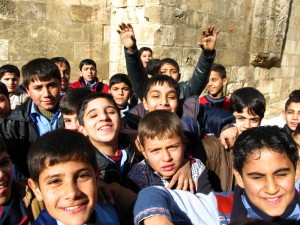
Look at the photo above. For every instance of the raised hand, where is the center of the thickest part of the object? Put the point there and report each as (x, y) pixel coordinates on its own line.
(209, 38)
(127, 35)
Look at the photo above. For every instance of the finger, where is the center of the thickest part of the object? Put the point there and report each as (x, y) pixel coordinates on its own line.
(224, 144)
(185, 185)
(191, 186)
(172, 182)
(180, 184)
(217, 32)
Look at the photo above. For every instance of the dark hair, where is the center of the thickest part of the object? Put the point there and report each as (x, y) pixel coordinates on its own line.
(153, 66)
(297, 130)
(160, 80)
(9, 68)
(250, 98)
(59, 146)
(87, 62)
(170, 61)
(90, 97)
(292, 99)
(295, 93)
(120, 78)
(167, 125)
(3, 90)
(71, 101)
(219, 68)
(59, 60)
(42, 69)
(144, 49)
(3, 147)
(250, 221)
(258, 138)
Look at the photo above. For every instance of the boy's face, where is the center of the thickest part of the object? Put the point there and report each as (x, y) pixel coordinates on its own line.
(4, 105)
(11, 81)
(6, 172)
(170, 70)
(65, 74)
(161, 97)
(244, 120)
(268, 178)
(102, 122)
(146, 56)
(71, 121)
(45, 94)
(88, 72)
(121, 94)
(69, 191)
(292, 115)
(165, 156)
(215, 84)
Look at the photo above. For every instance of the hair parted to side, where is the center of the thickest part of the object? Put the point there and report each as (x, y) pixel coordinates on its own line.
(9, 68)
(248, 97)
(120, 78)
(219, 68)
(87, 62)
(39, 69)
(170, 61)
(57, 147)
(144, 49)
(160, 80)
(161, 124)
(293, 99)
(259, 138)
(59, 60)
(90, 97)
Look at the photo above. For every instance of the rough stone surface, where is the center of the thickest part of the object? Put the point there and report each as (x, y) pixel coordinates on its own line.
(259, 42)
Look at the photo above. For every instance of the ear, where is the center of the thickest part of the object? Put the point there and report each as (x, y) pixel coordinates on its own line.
(297, 174)
(238, 178)
(27, 92)
(82, 130)
(224, 81)
(109, 91)
(145, 104)
(35, 189)
(140, 147)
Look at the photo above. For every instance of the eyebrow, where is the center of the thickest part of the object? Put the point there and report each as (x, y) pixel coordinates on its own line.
(109, 106)
(275, 172)
(60, 174)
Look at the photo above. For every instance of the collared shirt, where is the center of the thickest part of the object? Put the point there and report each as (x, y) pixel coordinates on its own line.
(43, 124)
(90, 85)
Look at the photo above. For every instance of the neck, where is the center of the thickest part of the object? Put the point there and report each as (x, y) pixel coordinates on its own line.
(215, 96)
(109, 149)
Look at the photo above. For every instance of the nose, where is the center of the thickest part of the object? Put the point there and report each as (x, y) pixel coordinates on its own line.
(247, 124)
(45, 92)
(295, 116)
(121, 92)
(103, 116)
(271, 186)
(164, 100)
(166, 156)
(71, 190)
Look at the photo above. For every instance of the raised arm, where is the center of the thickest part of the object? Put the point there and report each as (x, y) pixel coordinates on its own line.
(135, 70)
(196, 84)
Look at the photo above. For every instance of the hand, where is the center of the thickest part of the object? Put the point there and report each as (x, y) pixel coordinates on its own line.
(105, 194)
(228, 137)
(209, 38)
(127, 36)
(183, 178)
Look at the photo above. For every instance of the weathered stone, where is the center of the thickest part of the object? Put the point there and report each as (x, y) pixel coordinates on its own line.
(3, 49)
(31, 10)
(7, 9)
(72, 32)
(81, 13)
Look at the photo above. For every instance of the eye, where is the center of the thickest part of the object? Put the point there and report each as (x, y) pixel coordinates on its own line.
(67, 121)
(5, 162)
(84, 175)
(54, 182)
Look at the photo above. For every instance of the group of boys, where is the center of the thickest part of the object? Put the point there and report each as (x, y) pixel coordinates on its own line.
(65, 167)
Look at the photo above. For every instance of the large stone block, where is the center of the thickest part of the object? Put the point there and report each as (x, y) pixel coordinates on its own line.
(25, 49)
(154, 14)
(190, 57)
(93, 32)
(72, 32)
(61, 48)
(81, 13)
(185, 36)
(101, 15)
(58, 12)
(3, 49)
(31, 10)
(8, 9)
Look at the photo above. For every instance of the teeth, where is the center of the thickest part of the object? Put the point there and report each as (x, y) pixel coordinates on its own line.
(72, 208)
(103, 128)
(272, 200)
(3, 185)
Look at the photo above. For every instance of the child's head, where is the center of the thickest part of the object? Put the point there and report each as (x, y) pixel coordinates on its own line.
(41, 78)
(162, 141)
(10, 76)
(292, 112)
(64, 69)
(6, 171)
(64, 174)
(153, 67)
(217, 80)
(248, 106)
(69, 105)
(295, 93)
(100, 118)
(296, 136)
(145, 54)
(88, 70)
(162, 93)
(120, 88)
(170, 67)
(265, 161)
(4, 100)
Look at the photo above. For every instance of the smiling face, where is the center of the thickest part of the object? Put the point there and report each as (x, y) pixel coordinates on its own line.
(271, 188)
(6, 172)
(161, 97)
(292, 115)
(121, 93)
(146, 56)
(165, 156)
(244, 120)
(215, 84)
(69, 191)
(102, 122)
(88, 72)
(11, 81)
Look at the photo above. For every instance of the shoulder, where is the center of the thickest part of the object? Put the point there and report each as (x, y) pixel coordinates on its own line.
(76, 84)
(106, 214)
(45, 219)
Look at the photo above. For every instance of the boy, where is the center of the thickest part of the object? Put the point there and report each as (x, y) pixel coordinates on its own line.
(263, 192)
(138, 75)
(65, 72)
(38, 115)
(69, 105)
(4, 101)
(292, 114)
(10, 76)
(64, 175)
(121, 90)
(163, 147)
(216, 82)
(88, 77)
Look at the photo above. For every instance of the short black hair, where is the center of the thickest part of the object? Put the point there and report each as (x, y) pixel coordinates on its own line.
(219, 68)
(41, 68)
(292, 99)
(87, 62)
(9, 68)
(3, 90)
(144, 49)
(153, 67)
(58, 60)
(120, 78)
(59, 146)
(169, 61)
(248, 97)
(160, 80)
(257, 138)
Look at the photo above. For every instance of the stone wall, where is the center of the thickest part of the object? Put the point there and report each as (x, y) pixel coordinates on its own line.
(259, 42)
